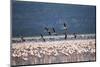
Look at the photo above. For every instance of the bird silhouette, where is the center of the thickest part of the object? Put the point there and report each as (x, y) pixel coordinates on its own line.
(48, 30)
(42, 37)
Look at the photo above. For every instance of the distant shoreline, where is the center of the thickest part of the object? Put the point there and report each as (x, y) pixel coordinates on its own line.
(57, 37)
(47, 36)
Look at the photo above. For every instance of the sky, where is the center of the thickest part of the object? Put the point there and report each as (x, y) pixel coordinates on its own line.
(30, 18)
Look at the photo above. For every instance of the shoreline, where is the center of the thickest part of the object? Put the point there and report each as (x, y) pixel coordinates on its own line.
(56, 37)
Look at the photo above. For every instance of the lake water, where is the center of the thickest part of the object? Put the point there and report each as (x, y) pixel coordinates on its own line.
(30, 18)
